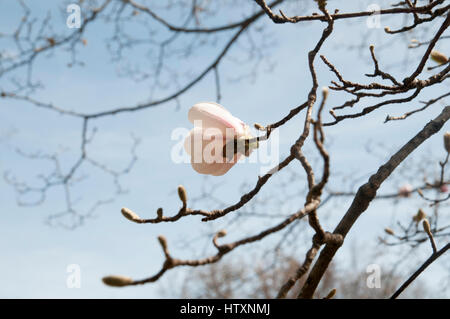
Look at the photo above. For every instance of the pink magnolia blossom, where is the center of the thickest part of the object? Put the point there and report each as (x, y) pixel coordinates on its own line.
(214, 142)
(443, 188)
(405, 190)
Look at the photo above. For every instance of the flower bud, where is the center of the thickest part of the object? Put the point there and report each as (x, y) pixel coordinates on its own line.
(51, 41)
(389, 231)
(182, 194)
(259, 127)
(447, 141)
(325, 92)
(117, 281)
(419, 216)
(405, 190)
(159, 213)
(438, 57)
(331, 294)
(130, 215)
(426, 226)
(162, 241)
(222, 233)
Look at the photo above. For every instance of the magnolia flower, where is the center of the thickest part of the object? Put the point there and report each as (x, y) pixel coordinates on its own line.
(405, 190)
(443, 188)
(218, 139)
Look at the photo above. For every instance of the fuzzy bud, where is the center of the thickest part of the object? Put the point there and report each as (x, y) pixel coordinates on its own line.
(163, 241)
(419, 216)
(447, 141)
(438, 57)
(130, 215)
(222, 233)
(405, 190)
(426, 227)
(117, 281)
(331, 294)
(389, 231)
(182, 194)
(159, 213)
(325, 92)
(259, 127)
(333, 114)
(51, 41)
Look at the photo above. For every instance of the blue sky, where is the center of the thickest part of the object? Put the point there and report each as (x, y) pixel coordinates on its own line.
(34, 256)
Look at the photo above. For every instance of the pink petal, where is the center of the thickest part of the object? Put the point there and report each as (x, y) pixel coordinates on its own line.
(214, 115)
(206, 152)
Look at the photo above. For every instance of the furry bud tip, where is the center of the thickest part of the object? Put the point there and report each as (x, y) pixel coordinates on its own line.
(222, 233)
(182, 194)
(447, 141)
(130, 215)
(331, 294)
(426, 226)
(117, 281)
(438, 57)
(159, 213)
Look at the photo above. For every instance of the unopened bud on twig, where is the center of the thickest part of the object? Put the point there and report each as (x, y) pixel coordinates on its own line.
(447, 141)
(438, 57)
(414, 43)
(162, 241)
(331, 294)
(222, 233)
(51, 41)
(389, 231)
(426, 227)
(159, 213)
(333, 114)
(419, 216)
(325, 92)
(259, 127)
(130, 215)
(182, 194)
(405, 190)
(117, 281)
